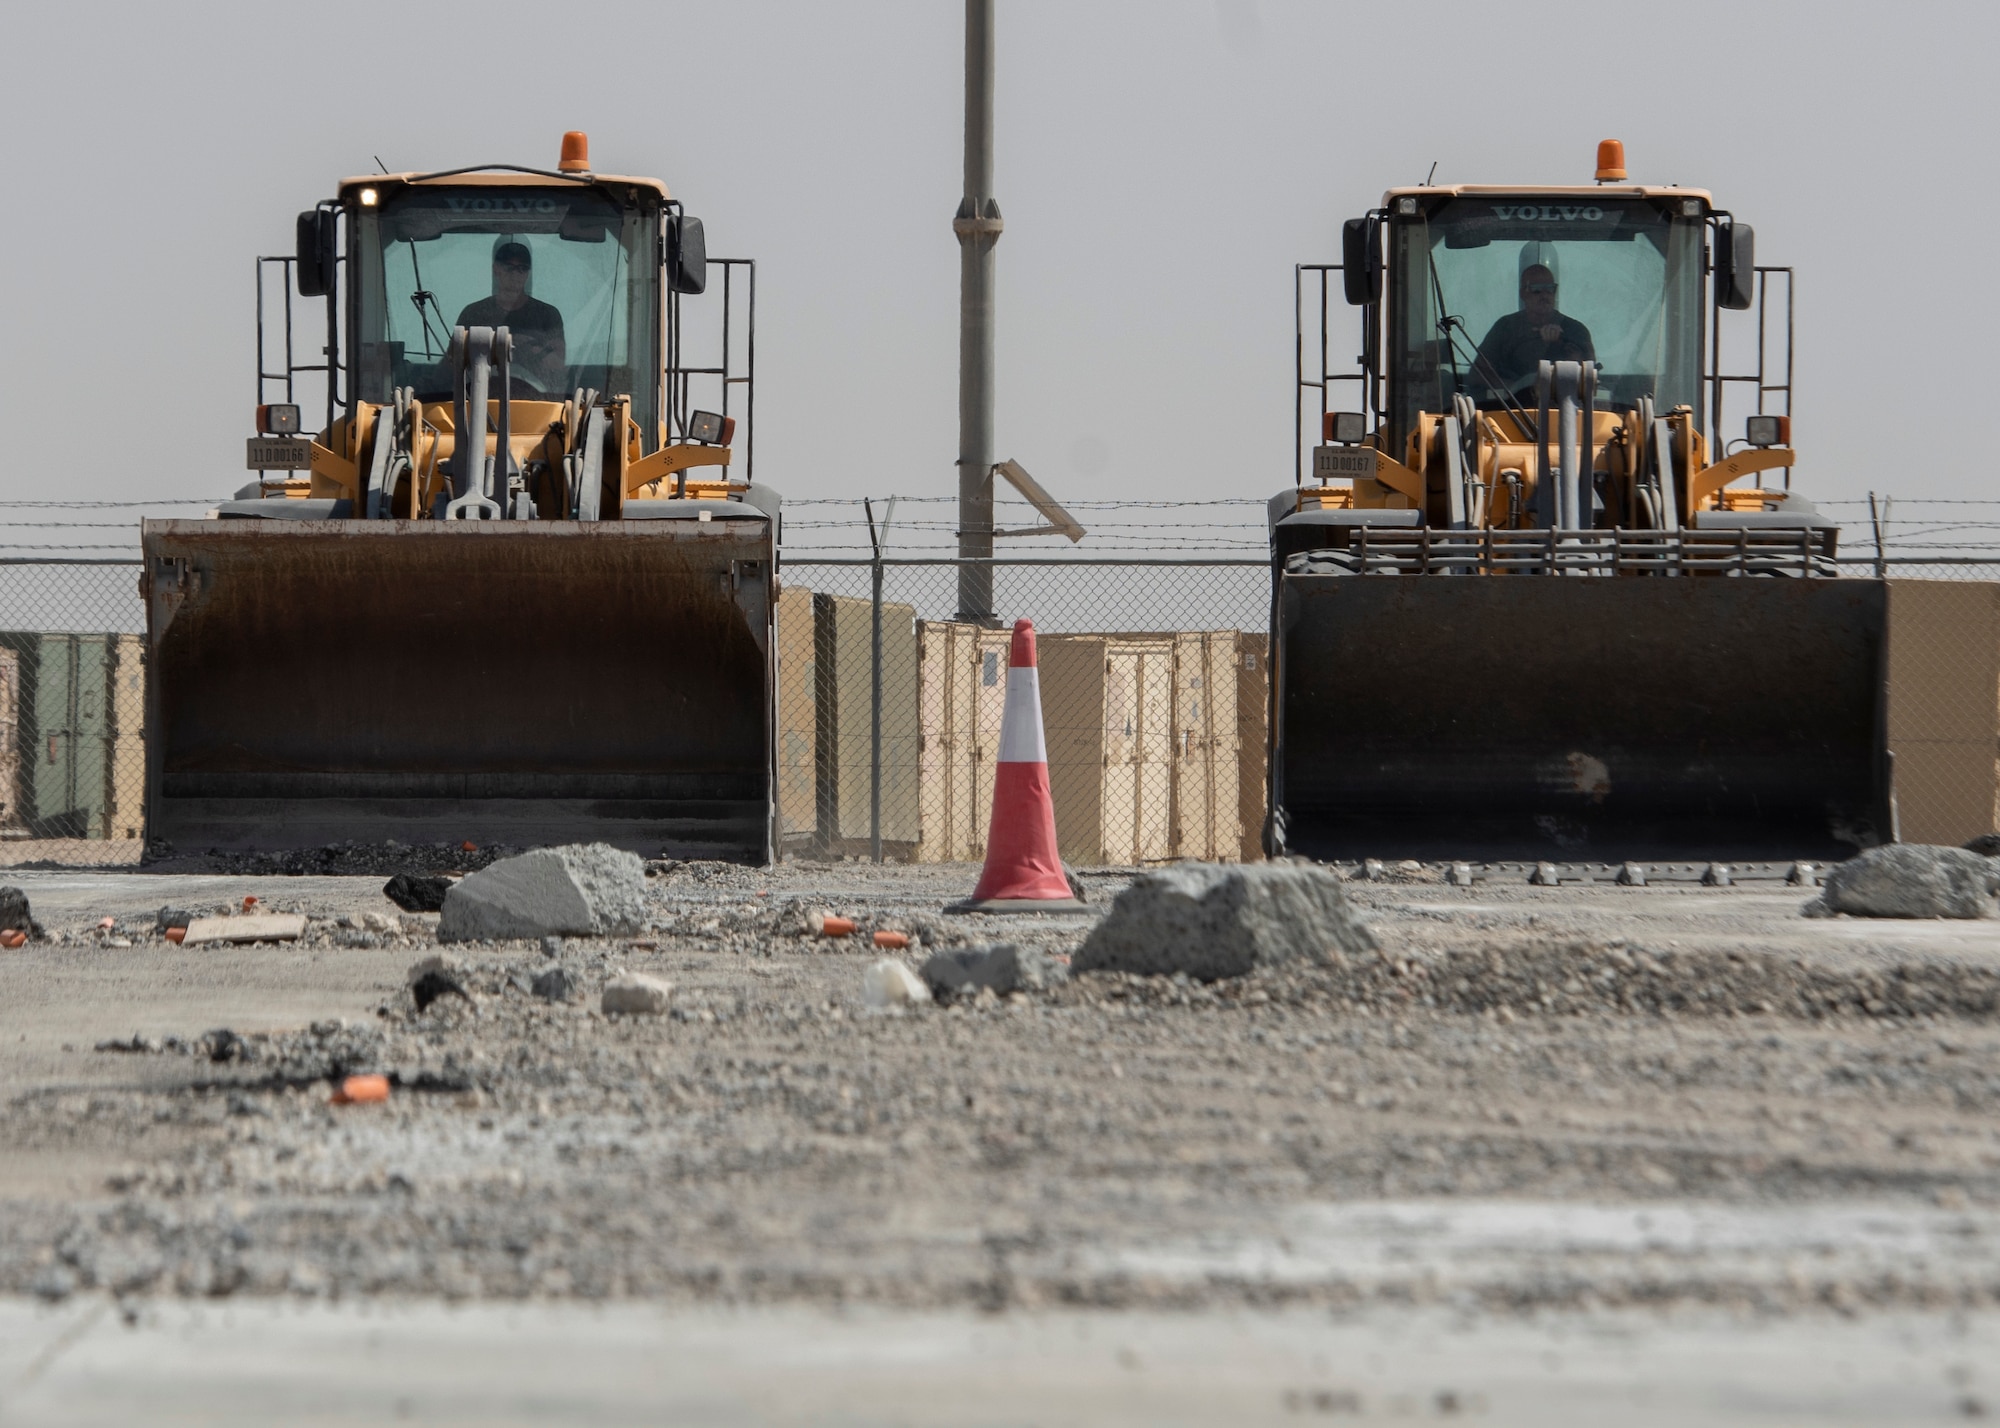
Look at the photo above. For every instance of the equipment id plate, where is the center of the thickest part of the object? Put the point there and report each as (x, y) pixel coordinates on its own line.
(1342, 463)
(280, 453)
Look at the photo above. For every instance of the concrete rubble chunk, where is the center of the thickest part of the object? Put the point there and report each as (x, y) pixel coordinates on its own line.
(1000, 967)
(1213, 920)
(582, 890)
(417, 892)
(248, 927)
(1913, 880)
(1987, 844)
(169, 917)
(554, 985)
(890, 983)
(636, 994)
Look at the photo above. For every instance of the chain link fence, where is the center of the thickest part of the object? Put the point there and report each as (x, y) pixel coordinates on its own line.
(1154, 677)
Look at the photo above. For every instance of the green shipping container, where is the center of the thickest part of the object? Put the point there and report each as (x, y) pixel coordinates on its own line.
(63, 732)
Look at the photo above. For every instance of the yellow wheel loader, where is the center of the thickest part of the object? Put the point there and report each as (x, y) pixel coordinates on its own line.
(1528, 600)
(515, 590)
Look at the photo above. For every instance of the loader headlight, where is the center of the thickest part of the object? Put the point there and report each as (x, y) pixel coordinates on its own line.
(368, 198)
(1346, 427)
(278, 419)
(711, 428)
(1766, 430)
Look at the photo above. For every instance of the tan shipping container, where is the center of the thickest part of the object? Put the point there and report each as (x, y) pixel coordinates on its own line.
(1252, 740)
(1107, 714)
(843, 665)
(125, 769)
(1944, 707)
(1206, 817)
(962, 691)
(13, 822)
(798, 700)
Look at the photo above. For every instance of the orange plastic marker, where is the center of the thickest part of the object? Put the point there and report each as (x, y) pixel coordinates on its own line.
(362, 1090)
(892, 940)
(827, 925)
(13, 937)
(176, 935)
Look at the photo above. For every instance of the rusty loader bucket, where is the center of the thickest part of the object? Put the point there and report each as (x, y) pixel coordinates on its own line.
(1580, 719)
(508, 681)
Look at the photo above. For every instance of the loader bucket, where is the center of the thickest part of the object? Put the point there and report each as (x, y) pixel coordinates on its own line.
(1580, 719)
(500, 682)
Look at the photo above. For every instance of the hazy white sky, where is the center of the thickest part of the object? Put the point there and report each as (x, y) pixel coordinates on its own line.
(1161, 167)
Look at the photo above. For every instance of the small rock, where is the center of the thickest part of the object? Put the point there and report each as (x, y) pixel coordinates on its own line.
(999, 966)
(1372, 870)
(552, 946)
(1409, 866)
(1718, 875)
(1460, 875)
(168, 917)
(891, 983)
(1632, 875)
(1913, 880)
(222, 1044)
(1987, 845)
(554, 985)
(1803, 875)
(583, 890)
(1545, 875)
(14, 915)
(1212, 920)
(380, 922)
(635, 994)
(417, 892)
(435, 977)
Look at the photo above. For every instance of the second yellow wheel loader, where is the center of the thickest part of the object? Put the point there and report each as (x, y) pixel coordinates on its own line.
(515, 590)
(1523, 604)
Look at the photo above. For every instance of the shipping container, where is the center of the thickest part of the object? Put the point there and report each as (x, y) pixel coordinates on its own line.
(1107, 713)
(1253, 697)
(798, 723)
(1207, 821)
(843, 667)
(1944, 707)
(63, 723)
(962, 690)
(13, 814)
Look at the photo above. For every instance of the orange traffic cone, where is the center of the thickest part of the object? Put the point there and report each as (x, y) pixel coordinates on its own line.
(1023, 870)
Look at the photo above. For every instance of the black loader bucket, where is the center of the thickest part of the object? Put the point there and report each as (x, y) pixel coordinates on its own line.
(1573, 718)
(504, 681)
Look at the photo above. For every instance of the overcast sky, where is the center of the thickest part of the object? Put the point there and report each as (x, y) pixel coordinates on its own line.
(1161, 167)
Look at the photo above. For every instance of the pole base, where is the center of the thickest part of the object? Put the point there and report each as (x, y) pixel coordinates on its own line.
(1020, 904)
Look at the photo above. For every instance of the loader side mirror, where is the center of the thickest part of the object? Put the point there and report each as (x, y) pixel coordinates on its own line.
(315, 252)
(1735, 266)
(1361, 260)
(687, 255)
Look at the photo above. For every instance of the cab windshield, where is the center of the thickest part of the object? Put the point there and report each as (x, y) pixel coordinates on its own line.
(569, 271)
(1489, 287)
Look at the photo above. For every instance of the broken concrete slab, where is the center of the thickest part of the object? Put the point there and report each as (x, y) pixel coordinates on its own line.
(582, 890)
(636, 994)
(1913, 880)
(1213, 920)
(1001, 966)
(246, 927)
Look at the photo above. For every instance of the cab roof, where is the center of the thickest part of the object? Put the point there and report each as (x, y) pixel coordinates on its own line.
(1516, 190)
(500, 178)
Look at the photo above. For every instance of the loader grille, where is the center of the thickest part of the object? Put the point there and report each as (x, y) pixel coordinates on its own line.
(1421, 550)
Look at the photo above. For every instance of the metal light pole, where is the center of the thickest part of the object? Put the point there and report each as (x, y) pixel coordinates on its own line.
(978, 228)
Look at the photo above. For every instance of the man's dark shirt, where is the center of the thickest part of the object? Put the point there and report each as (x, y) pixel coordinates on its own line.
(1514, 347)
(532, 316)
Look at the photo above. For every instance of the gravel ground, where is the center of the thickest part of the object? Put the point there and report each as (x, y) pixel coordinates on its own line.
(1772, 1113)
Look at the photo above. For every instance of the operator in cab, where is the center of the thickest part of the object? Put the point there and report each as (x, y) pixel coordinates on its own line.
(540, 357)
(1520, 342)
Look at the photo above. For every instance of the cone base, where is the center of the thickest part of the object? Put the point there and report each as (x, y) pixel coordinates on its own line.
(1019, 904)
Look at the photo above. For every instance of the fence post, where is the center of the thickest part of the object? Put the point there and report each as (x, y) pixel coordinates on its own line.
(1878, 519)
(875, 539)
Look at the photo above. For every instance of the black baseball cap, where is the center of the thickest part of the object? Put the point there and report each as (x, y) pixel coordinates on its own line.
(516, 253)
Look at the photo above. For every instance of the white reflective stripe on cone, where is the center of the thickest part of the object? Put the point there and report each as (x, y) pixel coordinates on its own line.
(1021, 721)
